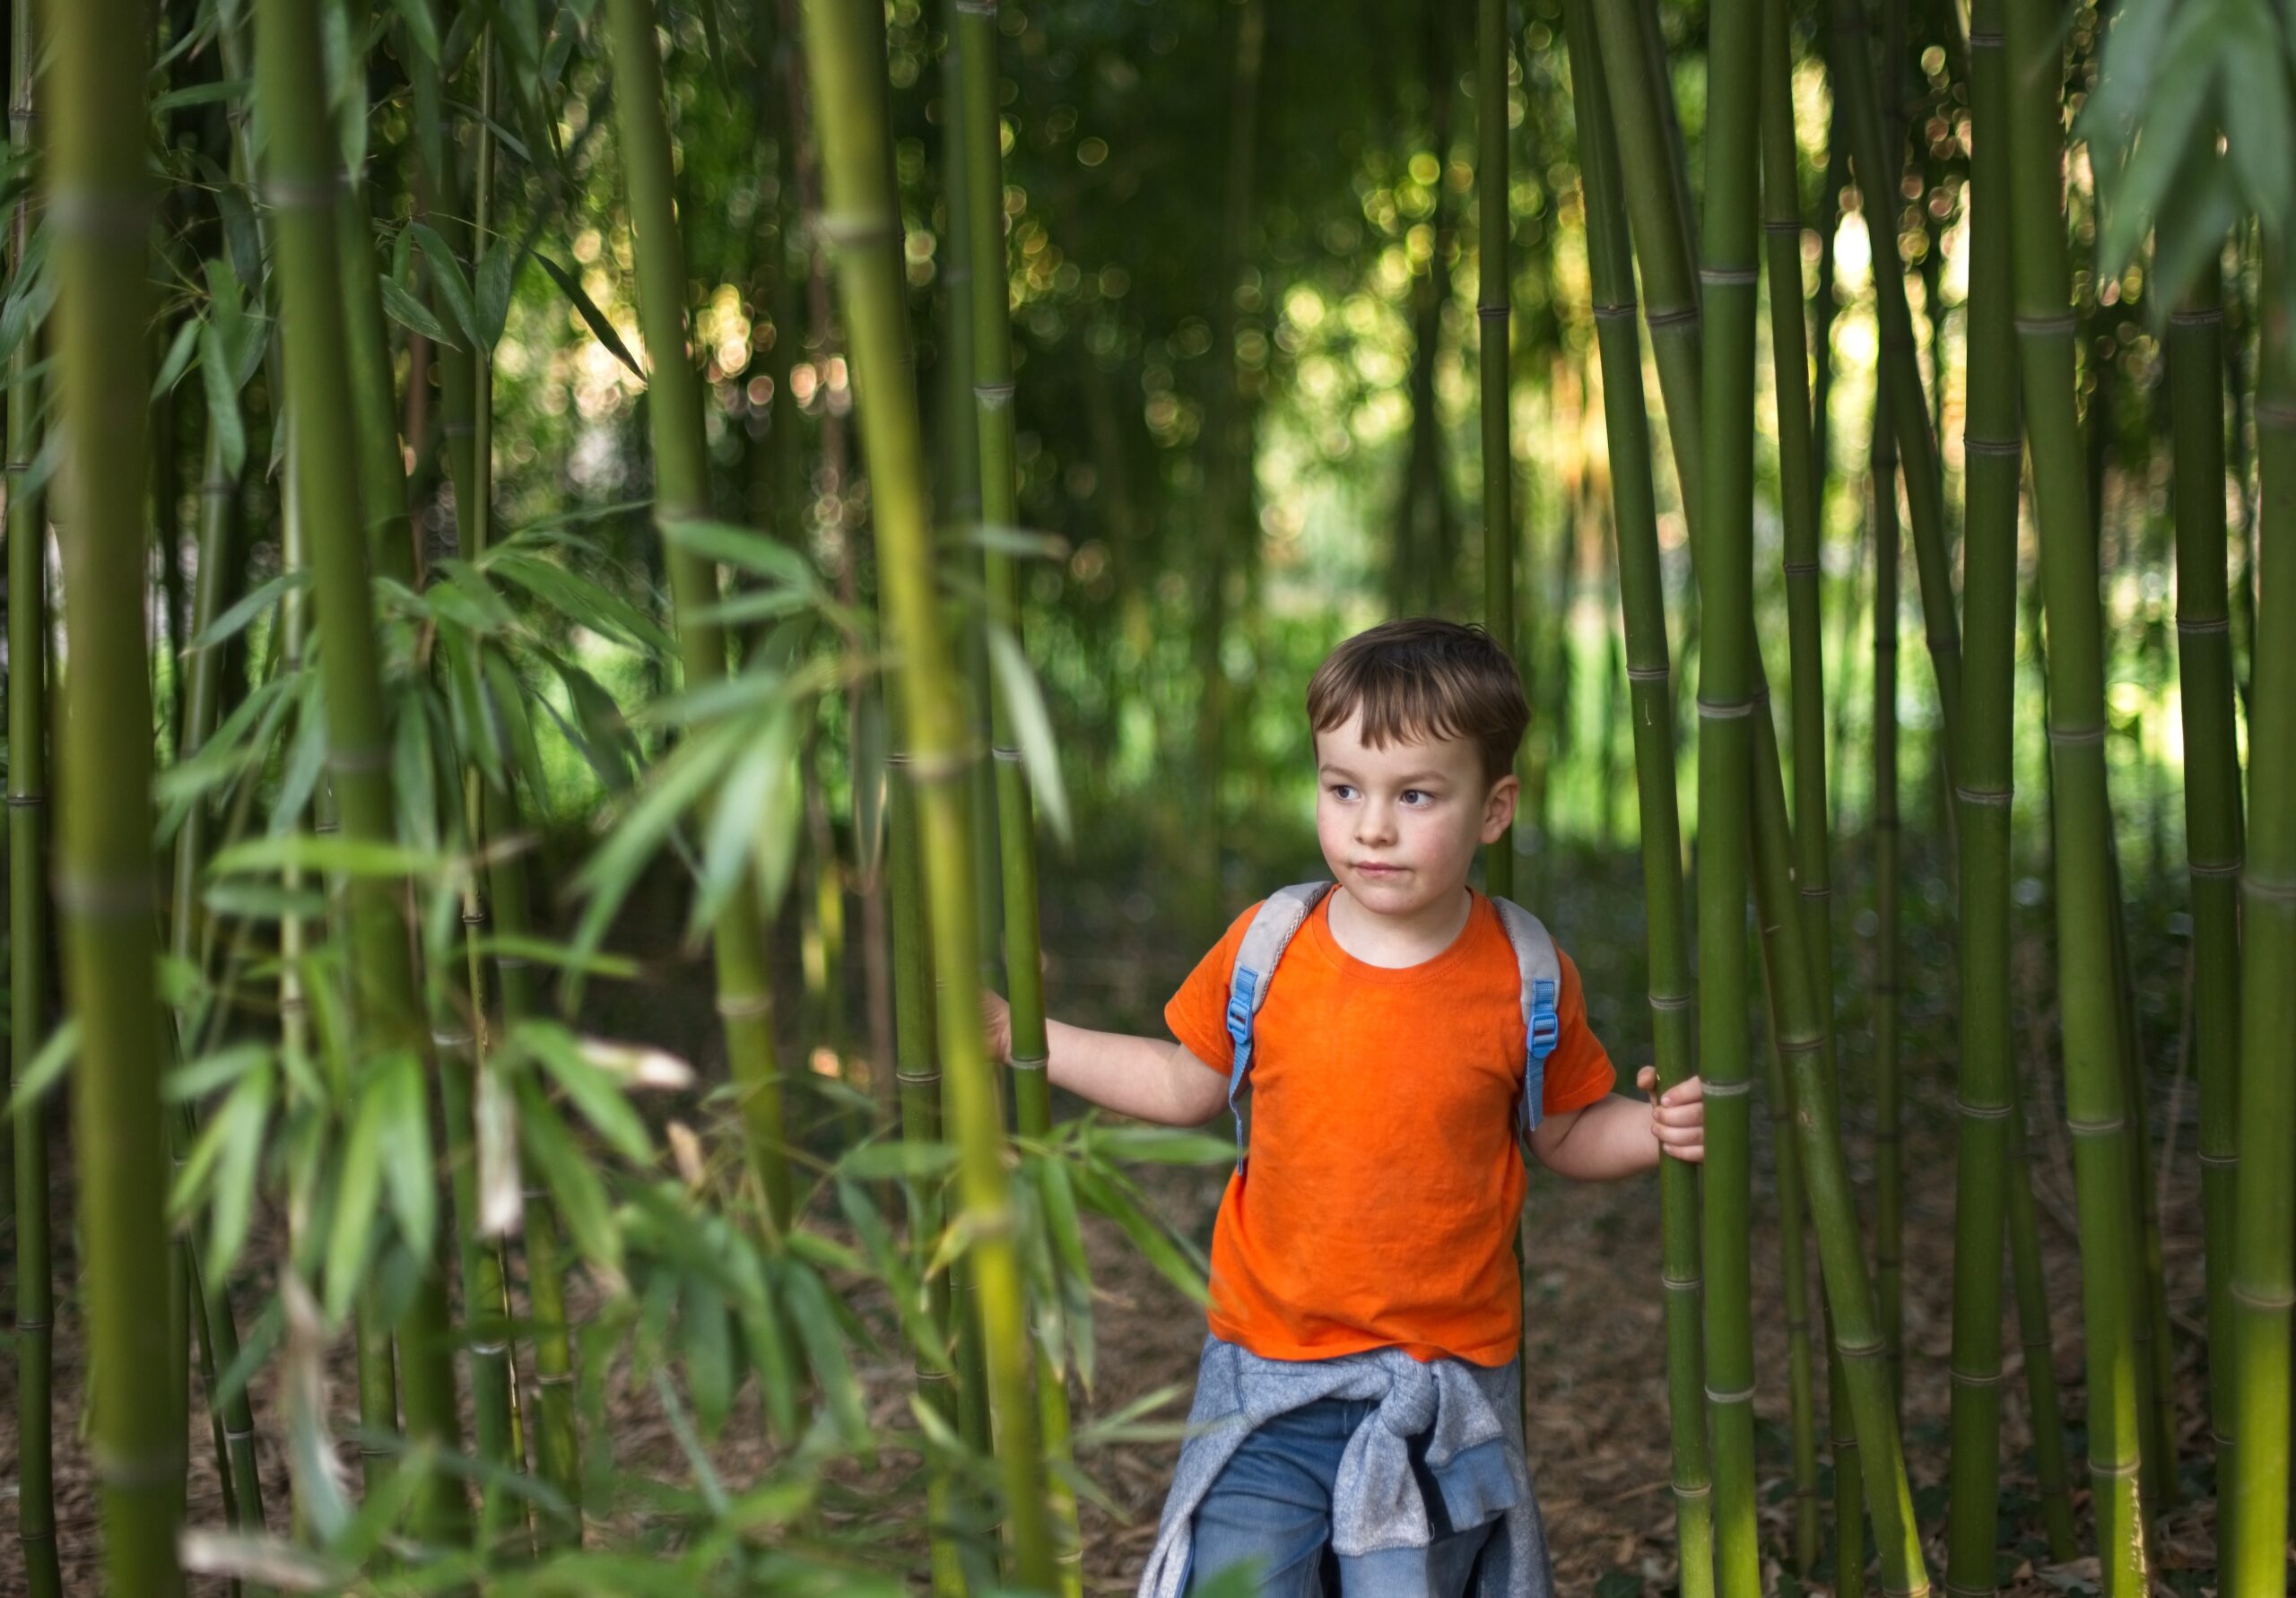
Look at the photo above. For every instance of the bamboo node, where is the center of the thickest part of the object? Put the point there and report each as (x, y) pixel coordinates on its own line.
(2044, 326)
(1028, 1062)
(2212, 868)
(1800, 569)
(2283, 888)
(2076, 736)
(1698, 1489)
(992, 397)
(916, 1078)
(1672, 1001)
(1816, 890)
(1656, 674)
(1972, 444)
(1801, 1045)
(848, 231)
(2204, 629)
(2116, 1470)
(2264, 1298)
(511, 962)
(1671, 318)
(93, 214)
(96, 896)
(1743, 1086)
(218, 489)
(744, 1007)
(1612, 313)
(453, 1040)
(1982, 1112)
(134, 1475)
(1779, 224)
(301, 194)
(2196, 318)
(1987, 796)
(561, 1378)
(26, 801)
(357, 762)
(1721, 710)
(2079, 1128)
(1681, 1284)
(1004, 752)
(975, 8)
(459, 430)
(2222, 1161)
(2278, 412)
(1971, 1379)
(20, 466)
(1727, 277)
(1729, 1395)
(1872, 1349)
(1988, 39)
(1493, 313)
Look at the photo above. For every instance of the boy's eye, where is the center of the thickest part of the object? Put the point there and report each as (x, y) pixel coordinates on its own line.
(1417, 796)
(1340, 790)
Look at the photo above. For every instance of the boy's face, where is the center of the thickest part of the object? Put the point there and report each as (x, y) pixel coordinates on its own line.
(1399, 826)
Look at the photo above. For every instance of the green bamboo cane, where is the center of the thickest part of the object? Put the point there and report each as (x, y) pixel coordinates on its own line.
(300, 180)
(1492, 312)
(1888, 1171)
(1994, 451)
(975, 31)
(918, 1072)
(681, 494)
(382, 469)
(2039, 1344)
(2262, 1290)
(1794, 1273)
(28, 914)
(1874, 147)
(1725, 707)
(100, 203)
(2095, 1102)
(849, 94)
(1798, 511)
(1642, 609)
(2195, 348)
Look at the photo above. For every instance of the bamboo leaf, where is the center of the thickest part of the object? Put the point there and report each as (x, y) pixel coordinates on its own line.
(346, 856)
(1105, 1197)
(202, 94)
(590, 314)
(706, 1337)
(1032, 725)
(408, 1165)
(1058, 1196)
(241, 614)
(580, 599)
(446, 280)
(358, 1188)
(46, 1067)
(408, 311)
(2257, 111)
(596, 1095)
(194, 1080)
(498, 282)
(731, 545)
(905, 1159)
(422, 27)
(238, 1128)
(180, 351)
(815, 1320)
(222, 400)
(573, 1185)
(738, 812)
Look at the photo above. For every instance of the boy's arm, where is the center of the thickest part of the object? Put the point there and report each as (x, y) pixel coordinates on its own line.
(1615, 1136)
(1153, 1079)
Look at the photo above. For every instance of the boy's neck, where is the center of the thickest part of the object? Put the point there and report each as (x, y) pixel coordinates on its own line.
(1394, 942)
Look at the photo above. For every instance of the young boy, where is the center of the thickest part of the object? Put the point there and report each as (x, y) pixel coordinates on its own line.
(1363, 1262)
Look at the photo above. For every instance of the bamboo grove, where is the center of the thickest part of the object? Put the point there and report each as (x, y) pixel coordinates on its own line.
(583, 573)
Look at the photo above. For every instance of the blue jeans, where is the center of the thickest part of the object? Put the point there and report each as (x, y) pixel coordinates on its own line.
(1271, 1505)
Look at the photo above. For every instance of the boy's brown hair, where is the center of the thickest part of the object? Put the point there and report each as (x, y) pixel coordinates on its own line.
(1420, 677)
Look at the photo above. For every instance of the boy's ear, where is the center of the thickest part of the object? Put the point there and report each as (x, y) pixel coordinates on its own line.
(1499, 808)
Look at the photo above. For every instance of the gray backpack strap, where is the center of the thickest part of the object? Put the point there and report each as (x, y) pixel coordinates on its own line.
(1541, 968)
(1273, 926)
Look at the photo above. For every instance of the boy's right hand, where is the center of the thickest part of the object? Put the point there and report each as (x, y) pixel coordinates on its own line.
(996, 1027)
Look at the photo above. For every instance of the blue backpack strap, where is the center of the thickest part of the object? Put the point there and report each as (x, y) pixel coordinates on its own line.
(1278, 919)
(1541, 969)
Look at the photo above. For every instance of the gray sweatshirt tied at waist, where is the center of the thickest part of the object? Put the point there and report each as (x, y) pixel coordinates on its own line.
(1472, 1414)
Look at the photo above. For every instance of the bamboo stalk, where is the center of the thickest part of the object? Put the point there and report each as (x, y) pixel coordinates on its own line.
(2262, 1290)
(2040, 1345)
(681, 494)
(1993, 449)
(301, 181)
(975, 31)
(849, 91)
(2095, 1102)
(1726, 706)
(1799, 510)
(1876, 154)
(1643, 617)
(1492, 314)
(28, 909)
(1889, 1170)
(100, 203)
(2195, 349)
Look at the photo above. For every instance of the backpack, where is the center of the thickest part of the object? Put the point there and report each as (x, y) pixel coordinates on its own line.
(1286, 911)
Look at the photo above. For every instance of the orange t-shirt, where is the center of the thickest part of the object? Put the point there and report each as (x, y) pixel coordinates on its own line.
(1378, 1206)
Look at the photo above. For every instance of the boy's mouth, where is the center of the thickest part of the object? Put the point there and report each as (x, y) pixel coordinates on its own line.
(1370, 868)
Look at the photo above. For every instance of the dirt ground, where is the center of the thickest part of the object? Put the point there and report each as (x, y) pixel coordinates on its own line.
(1595, 1388)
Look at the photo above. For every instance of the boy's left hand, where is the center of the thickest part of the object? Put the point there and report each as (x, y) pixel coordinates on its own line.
(1677, 1115)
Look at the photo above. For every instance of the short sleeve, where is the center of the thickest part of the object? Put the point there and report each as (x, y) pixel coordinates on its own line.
(1580, 1071)
(1198, 1014)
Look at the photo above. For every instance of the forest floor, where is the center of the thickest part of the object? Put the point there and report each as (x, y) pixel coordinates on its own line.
(1597, 1386)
